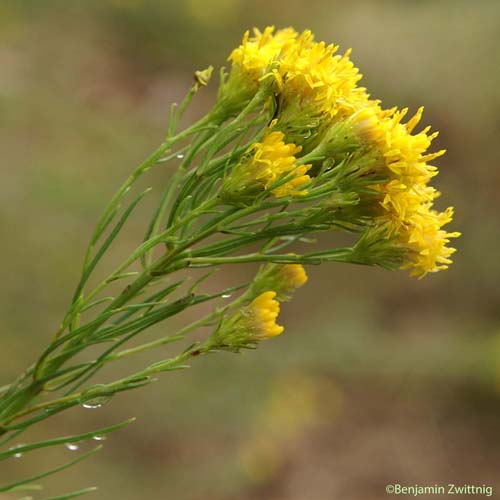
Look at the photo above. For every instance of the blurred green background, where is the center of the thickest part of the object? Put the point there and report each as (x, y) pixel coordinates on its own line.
(379, 378)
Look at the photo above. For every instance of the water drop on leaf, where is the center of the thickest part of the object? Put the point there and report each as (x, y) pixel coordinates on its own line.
(93, 403)
(17, 455)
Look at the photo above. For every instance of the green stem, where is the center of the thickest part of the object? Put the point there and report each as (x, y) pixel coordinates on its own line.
(339, 255)
(104, 390)
(143, 167)
(133, 289)
(181, 334)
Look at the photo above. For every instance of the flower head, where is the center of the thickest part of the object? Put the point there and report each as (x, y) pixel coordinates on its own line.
(262, 314)
(406, 198)
(293, 275)
(256, 54)
(310, 77)
(427, 241)
(320, 77)
(249, 324)
(284, 279)
(404, 154)
(271, 166)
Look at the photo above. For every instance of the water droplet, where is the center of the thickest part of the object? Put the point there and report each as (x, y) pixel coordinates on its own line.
(226, 295)
(180, 156)
(91, 404)
(72, 446)
(99, 438)
(17, 455)
(91, 400)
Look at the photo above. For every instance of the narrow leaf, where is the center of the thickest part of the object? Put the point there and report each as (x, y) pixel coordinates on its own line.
(18, 484)
(73, 494)
(64, 440)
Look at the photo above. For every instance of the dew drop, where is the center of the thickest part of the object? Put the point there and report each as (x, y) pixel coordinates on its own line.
(180, 156)
(17, 455)
(99, 438)
(94, 403)
(226, 295)
(72, 446)
(90, 406)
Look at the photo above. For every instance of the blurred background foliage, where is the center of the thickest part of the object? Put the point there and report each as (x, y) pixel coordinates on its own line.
(379, 378)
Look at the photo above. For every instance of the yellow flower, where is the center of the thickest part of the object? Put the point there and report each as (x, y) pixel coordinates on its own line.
(284, 279)
(402, 200)
(310, 71)
(404, 154)
(427, 241)
(274, 159)
(255, 55)
(263, 312)
(321, 77)
(406, 197)
(273, 163)
(248, 324)
(294, 275)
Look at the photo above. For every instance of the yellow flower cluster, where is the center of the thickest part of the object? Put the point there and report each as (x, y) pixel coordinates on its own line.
(263, 311)
(302, 68)
(324, 83)
(315, 85)
(406, 197)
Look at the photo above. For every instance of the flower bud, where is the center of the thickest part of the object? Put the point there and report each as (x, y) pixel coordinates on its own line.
(284, 279)
(248, 325)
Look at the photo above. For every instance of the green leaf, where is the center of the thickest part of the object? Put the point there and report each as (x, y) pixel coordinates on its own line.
(111, 237)
(73, 494)
(63, 440)
(24, 482)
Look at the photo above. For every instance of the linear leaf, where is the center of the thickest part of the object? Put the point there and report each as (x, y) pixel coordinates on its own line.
(18, 484)
(111, 237)
(64, 440)
(73, 494)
